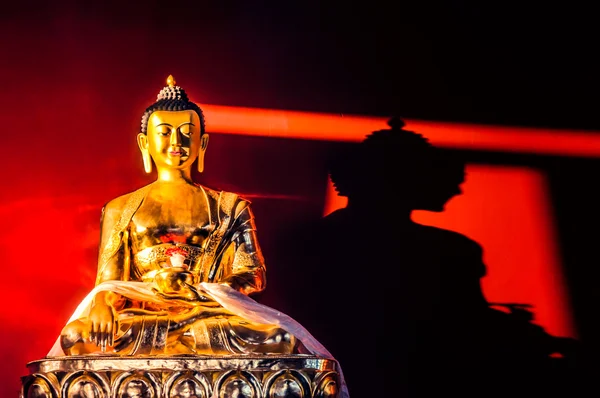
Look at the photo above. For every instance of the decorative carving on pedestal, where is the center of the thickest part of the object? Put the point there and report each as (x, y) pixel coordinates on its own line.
(260, 376)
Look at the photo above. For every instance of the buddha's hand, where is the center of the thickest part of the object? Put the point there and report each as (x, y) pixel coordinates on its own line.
(177, 284)
(102, 324)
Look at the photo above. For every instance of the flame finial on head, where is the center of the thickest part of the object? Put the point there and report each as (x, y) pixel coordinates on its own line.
(171, 81)
(171, 91)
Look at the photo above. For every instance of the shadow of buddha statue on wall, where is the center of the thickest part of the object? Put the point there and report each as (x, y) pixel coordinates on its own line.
(399, 299)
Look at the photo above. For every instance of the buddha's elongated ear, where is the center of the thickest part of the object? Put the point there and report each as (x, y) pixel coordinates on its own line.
(142, 141)
(202, 151)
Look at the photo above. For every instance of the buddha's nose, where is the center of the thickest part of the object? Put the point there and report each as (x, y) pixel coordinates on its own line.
(175, 138)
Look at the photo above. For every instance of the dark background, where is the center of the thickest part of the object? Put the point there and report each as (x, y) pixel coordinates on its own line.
(500, 62)
(75, 75)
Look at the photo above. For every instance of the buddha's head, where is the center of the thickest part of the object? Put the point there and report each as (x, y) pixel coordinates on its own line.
(173, 133)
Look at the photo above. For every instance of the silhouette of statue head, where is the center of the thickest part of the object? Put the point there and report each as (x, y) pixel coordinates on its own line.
(399, 168)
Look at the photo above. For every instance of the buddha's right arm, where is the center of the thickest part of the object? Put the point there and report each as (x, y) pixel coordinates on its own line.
(115, 267)
(102, 316)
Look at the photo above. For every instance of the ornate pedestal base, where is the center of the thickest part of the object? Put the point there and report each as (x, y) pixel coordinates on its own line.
(264, 376)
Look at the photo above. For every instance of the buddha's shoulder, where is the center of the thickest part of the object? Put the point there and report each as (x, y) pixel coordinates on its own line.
(229, 202)
(223, 196)
(120, 202)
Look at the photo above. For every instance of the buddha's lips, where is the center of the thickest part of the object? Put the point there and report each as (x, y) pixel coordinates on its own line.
(177, 153)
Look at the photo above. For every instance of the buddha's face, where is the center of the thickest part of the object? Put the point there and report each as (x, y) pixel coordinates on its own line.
(173, 138)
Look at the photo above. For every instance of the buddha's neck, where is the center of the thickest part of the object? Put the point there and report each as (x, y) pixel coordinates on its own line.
(174, 175)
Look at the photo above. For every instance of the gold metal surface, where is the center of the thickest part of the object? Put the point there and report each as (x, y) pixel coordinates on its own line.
(172, 235)
(171, 81)
(229, 376)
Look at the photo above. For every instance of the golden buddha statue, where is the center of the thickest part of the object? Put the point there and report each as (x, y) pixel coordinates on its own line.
(171, 313)
(176, 257)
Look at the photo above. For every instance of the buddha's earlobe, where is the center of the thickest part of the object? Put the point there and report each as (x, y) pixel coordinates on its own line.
(143, 144)
(201, 152)
(147, 161)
